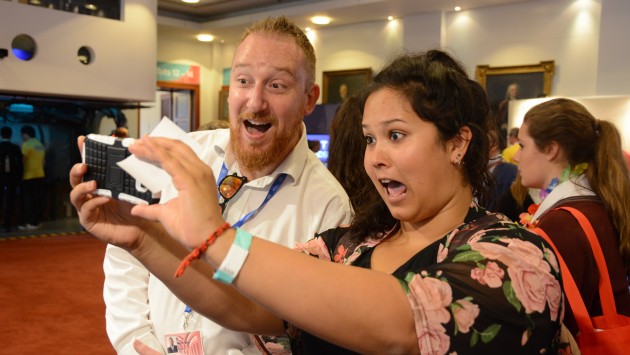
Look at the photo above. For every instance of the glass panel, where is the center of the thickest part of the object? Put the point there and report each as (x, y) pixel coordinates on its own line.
(99, 8)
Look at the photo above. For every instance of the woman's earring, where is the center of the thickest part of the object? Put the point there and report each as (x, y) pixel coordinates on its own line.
(457, 161)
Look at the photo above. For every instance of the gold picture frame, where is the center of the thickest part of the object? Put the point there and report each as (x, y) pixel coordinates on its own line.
(224, 113)
(534, 79)
(503, 84)
(340, 84)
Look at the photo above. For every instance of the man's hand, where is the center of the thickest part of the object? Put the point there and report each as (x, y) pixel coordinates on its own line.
(195, 212)
(107, 219)
(144, 349)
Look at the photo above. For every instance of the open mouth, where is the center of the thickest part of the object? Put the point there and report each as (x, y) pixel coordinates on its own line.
(256, 127)
(394, 188)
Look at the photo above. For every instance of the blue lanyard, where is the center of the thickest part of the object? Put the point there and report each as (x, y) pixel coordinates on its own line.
(275, 186)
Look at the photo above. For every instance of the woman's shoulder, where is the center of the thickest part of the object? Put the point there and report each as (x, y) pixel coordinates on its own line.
(337, 245)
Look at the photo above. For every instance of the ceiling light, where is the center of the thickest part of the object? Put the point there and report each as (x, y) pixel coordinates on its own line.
(205, 37)
(457, 8)
(91, 7)
(320, 20)
(390, 18)
(190, 1)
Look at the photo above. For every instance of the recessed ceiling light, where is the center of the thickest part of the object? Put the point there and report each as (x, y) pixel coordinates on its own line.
(190, 1)
(91, 7)
(457, 8)
(205, 37)
(320, 20)
(390, 18)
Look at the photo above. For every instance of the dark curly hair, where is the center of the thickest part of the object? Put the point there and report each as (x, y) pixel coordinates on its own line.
(440, 92)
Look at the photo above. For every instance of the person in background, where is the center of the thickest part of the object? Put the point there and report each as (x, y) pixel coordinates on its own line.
(503, 174)
(517, 199)
(270, 183)
(346, 150)
(214, 124)
(34, 154)
(121, 132)
(425, 270)
(509, 152)
(11, 172)
(511, 93)
(343, 92)
(576, 160)
(314, 145)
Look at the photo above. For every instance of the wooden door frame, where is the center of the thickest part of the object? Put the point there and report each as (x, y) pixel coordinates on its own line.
(196, 97)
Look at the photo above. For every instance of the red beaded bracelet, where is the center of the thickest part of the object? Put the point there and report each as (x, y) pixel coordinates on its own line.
(198, 252)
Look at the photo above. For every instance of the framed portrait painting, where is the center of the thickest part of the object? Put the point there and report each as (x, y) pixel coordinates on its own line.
(340, 84)
(224, 114)
(503, 84)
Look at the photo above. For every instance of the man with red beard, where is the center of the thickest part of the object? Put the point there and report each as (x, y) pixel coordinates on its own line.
(268, 181)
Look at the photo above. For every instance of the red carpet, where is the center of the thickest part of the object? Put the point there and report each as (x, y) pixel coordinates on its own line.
(51, 296)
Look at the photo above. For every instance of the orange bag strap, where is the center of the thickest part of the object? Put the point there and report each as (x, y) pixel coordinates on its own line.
(574, 298)
(605, 288)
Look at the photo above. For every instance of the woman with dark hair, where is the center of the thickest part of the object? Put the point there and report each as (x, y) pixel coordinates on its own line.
(577, 161)
(423, 269)
(346, 150)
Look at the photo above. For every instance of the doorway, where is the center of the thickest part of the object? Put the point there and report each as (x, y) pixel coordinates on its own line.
(180, 103)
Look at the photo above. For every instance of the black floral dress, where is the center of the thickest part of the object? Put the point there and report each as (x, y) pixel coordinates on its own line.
(488, 287)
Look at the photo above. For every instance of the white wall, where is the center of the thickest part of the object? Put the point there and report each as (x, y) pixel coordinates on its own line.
(366, 45)
(121, 49)
(566, 31)
(613, 71)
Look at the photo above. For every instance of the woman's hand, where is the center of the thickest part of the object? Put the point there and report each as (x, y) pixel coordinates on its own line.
(195, 213)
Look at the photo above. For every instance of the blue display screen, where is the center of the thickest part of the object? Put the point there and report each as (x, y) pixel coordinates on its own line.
(323, 140)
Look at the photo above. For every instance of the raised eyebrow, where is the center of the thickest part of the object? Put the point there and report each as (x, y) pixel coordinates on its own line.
(386, 123)
(285, 70)
(282, 69)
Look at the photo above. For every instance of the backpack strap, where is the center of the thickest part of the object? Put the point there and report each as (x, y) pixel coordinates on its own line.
(574, 298)
(605, 288)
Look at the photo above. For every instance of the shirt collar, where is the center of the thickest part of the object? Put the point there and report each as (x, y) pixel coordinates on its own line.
(569, 188)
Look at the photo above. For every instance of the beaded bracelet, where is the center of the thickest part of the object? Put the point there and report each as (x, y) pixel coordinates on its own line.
(235, 258)
(198, 252)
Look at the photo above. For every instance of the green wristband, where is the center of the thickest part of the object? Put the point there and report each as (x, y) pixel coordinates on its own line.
(235, 258)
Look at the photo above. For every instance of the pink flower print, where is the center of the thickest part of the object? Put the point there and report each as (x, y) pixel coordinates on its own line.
(277, 349)
(528, 252)
(432, 339)
(475, 237)
(532, 285)
(465, 313)
(450, 236)
(432, 297)
(551, 259)
(492, 275)
(340, 254)
(442, 253)
(525, 337)
(492, 251)
(315, 246)
(553, 292)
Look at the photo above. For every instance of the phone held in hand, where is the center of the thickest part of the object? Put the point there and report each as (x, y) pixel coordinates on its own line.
(101, 154)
